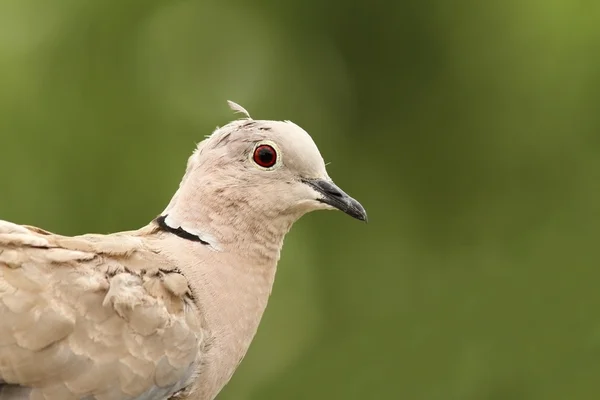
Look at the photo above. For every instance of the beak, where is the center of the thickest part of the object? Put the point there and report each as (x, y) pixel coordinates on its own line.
(334, 196)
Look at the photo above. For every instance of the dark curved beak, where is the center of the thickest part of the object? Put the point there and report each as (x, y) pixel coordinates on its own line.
(334, 196)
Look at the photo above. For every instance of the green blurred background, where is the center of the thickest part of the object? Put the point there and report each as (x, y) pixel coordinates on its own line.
(470, 131)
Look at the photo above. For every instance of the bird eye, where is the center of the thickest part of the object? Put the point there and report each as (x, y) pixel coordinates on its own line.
(265, 156)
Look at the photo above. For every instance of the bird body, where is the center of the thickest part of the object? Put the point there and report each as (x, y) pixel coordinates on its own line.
(167, 311)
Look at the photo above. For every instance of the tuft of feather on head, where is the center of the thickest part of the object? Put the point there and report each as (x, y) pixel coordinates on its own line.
(238, 109)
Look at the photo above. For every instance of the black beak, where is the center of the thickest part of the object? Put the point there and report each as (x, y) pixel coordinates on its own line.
(336, 197)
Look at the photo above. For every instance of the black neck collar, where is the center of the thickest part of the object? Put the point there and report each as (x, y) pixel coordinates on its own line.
(162, 224)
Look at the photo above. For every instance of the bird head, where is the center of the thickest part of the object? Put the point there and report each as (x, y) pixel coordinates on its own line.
(274, 165)
(257, 177)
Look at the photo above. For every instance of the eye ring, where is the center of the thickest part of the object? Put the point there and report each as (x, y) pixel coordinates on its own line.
(265, 156)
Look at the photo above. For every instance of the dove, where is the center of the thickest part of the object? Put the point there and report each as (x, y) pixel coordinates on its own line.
(167, 311)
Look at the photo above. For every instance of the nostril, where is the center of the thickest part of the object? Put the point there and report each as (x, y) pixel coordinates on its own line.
(335, 193)
(328, 189)
(332, 190)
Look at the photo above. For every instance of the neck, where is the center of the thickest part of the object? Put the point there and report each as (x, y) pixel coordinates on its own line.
(229, 251)
(224, 218)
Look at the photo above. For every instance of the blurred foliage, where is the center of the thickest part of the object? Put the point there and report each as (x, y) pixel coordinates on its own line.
(469, 130)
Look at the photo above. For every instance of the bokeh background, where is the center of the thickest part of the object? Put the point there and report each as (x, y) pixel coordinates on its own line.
(470, 130)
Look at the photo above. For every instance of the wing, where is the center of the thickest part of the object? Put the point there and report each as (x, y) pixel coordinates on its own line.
(93, 317)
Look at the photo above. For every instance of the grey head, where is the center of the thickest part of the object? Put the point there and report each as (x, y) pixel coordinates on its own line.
(254, 175)
(281, 160)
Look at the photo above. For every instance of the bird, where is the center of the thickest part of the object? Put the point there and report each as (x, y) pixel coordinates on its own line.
(167, 311)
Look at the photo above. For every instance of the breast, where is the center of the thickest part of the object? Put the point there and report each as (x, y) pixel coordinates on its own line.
(232, 291)
(233, 312)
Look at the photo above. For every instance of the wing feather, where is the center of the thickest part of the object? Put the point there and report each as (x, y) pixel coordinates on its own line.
(92, 317)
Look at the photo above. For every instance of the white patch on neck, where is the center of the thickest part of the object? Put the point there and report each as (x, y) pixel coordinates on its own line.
(174, 223)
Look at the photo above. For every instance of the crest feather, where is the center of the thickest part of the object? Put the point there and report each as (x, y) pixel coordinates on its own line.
(238, 109)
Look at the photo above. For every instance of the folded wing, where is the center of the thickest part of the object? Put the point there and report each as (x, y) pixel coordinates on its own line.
(93, 317)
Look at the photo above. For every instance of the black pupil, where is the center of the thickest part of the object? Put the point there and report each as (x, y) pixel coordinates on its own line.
(266, 155)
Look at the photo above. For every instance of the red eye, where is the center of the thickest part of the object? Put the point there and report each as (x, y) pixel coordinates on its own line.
(265, 156)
